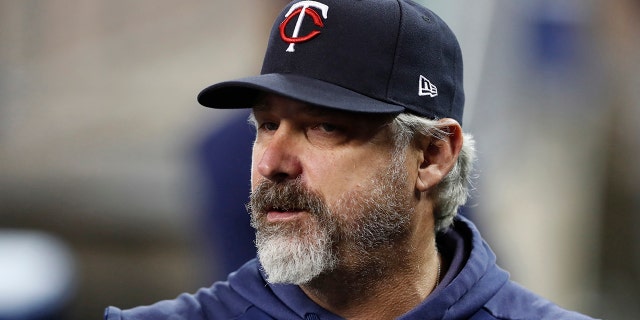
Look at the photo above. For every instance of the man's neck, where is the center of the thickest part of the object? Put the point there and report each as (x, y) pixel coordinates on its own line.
(381, 290)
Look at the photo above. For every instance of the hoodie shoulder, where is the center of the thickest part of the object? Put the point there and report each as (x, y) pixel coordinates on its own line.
(223, 300)
(482, 290)
(516, 302)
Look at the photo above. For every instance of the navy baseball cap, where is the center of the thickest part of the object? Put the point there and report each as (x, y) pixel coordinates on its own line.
(373, 56)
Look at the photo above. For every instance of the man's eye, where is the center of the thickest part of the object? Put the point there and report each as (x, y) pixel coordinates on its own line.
(327, 127)
(269, 126)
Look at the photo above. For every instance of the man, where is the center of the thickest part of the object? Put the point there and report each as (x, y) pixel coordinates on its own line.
(359, 168)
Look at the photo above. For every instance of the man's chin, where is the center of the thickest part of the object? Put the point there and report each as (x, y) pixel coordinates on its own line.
(292, 261)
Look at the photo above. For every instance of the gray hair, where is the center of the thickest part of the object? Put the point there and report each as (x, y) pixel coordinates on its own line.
(454, 189)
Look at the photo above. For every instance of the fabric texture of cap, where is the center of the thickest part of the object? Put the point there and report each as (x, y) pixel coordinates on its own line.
(373, 56)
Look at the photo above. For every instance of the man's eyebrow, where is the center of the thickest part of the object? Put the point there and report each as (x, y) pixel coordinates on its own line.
(317, 111)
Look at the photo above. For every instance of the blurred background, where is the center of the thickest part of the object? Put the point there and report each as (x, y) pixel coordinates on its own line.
(117, 188)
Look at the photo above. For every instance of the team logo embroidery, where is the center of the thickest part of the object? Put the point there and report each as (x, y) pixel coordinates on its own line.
(302, 9)
(426, 88)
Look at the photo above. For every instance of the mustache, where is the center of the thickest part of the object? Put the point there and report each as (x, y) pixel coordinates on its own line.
(291, 195)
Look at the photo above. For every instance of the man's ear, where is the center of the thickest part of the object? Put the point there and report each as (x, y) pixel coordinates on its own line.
(439, 155)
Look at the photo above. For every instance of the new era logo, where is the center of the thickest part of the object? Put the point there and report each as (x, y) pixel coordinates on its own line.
(426, 88)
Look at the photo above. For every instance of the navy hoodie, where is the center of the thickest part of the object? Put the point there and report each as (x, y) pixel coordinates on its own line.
(473, 288)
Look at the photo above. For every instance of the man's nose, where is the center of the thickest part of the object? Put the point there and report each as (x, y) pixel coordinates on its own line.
(280, 159)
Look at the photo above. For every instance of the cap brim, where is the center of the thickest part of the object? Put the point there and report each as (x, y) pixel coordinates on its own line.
(242, 93)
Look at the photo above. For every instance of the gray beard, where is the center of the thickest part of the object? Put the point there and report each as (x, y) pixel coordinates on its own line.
(362, 222)
(292, 252)
(295, 259)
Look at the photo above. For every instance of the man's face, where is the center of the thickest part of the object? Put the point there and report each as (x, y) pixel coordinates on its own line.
(329, 192)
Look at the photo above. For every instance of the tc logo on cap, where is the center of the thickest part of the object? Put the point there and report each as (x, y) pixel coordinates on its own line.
(301, 9)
